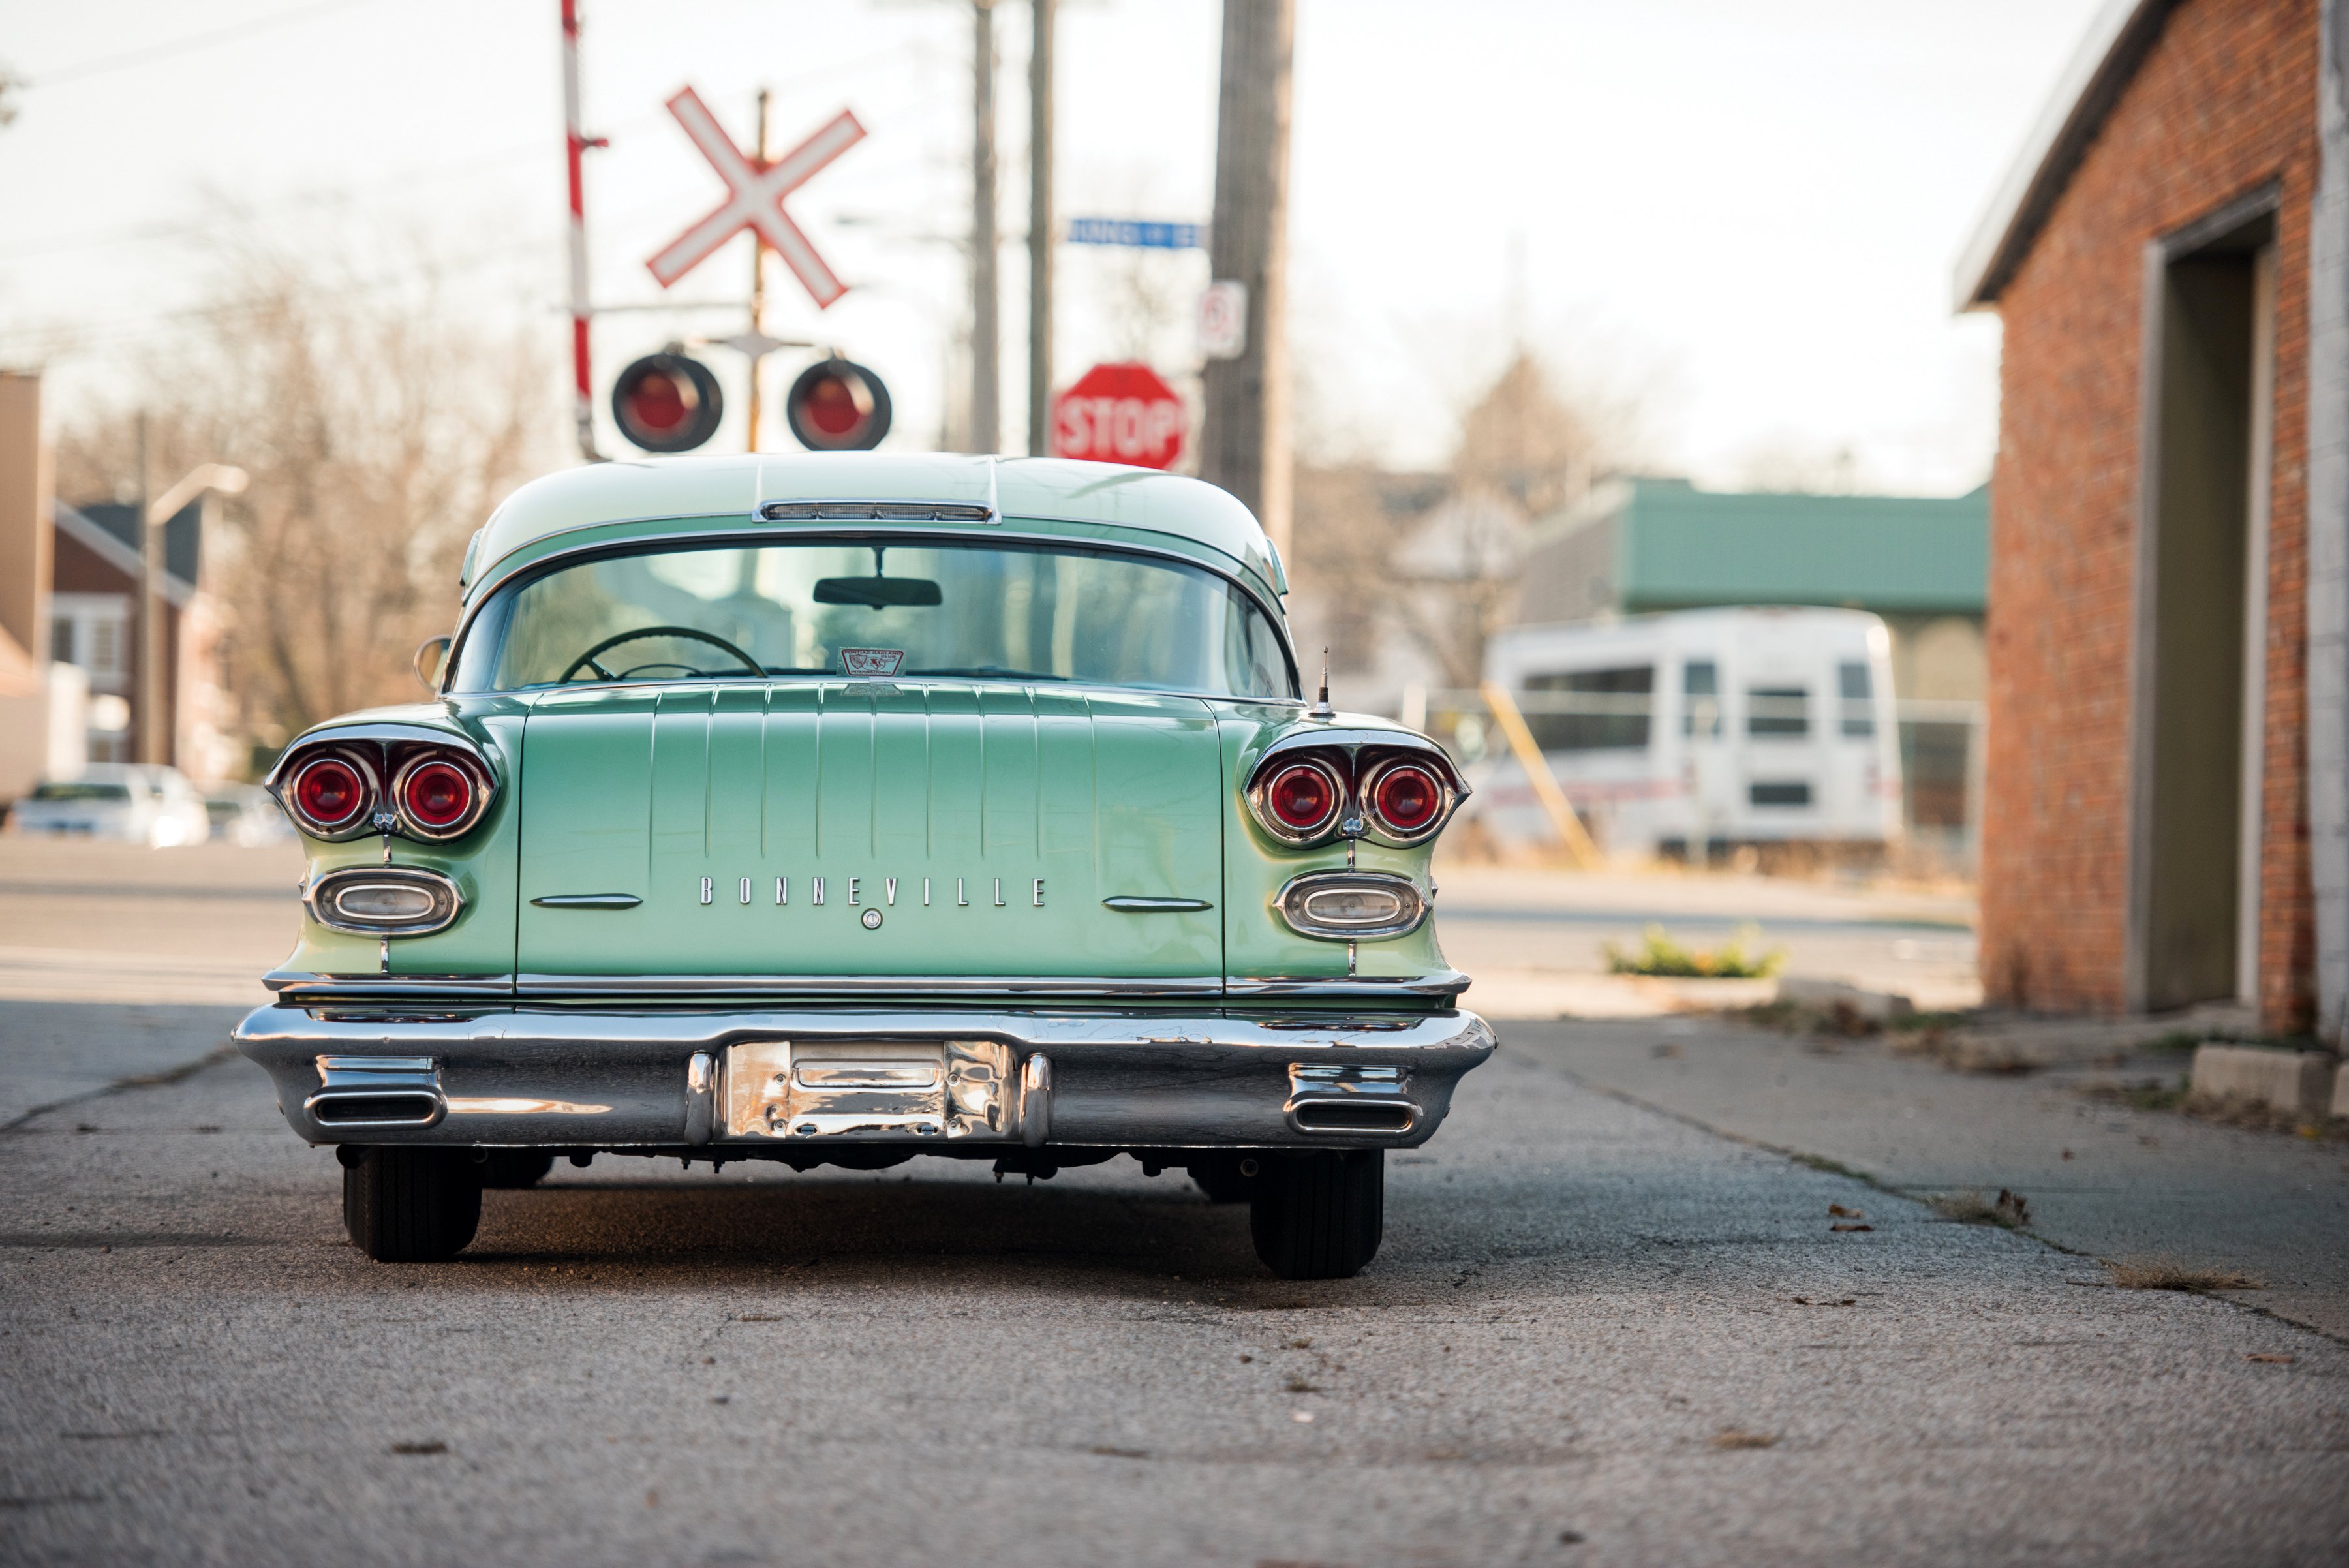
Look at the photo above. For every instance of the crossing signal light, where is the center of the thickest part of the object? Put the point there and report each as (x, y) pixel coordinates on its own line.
(667, 402)
(836, 406)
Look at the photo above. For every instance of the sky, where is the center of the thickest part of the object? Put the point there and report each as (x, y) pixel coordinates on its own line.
(1736, 219)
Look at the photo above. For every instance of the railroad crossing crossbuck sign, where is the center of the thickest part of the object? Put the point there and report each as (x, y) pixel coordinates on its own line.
(1120, 413)
(754, 197)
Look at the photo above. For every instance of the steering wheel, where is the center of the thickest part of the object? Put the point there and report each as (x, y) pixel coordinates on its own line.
(587, 659)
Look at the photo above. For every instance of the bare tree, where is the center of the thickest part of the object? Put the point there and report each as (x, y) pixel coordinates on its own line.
(379, 434)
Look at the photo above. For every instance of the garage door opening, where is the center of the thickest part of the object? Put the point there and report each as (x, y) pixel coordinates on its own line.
(2201, 616)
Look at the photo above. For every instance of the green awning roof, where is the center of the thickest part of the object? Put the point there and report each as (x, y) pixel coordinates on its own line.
(1678, 547)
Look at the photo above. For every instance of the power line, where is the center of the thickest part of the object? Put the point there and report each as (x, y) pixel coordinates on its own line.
(188, 45)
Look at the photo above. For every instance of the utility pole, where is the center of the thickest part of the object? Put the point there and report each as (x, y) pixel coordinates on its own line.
(149, 746)
(576, 143)
(986, 331)
(1040, 232)
(1244, 446)
(758, 278)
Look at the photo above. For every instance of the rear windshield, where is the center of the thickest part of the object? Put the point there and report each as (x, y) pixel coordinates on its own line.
(917, 610)
(75, 789)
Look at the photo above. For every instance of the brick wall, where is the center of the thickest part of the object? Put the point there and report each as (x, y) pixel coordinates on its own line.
(2224, 103)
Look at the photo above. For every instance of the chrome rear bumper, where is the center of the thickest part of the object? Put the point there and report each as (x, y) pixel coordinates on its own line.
(747, 1082)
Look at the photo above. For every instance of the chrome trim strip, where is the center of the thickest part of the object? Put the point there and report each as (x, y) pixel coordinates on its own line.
(1136, 904)
(717, 538)
(588, 901)
(1449, 982)
(511, 1030)
(295, 982)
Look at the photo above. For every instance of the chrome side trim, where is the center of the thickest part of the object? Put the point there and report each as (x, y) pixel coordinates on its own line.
(297, 985)
(293, 983)
(1135, 904)
(1448, 982)
(588, 901)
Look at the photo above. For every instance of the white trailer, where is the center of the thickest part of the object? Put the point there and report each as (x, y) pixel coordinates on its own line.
(1695, 730)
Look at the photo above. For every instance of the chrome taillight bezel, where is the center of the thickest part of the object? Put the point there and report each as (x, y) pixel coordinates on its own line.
(1340, 798)
(477, 776)
(1384, 831)
(323, 895)
(361, 821)
(1294, 905)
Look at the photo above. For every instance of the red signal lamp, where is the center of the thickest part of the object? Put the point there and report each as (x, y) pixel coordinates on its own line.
(667, 403)
(837, 405)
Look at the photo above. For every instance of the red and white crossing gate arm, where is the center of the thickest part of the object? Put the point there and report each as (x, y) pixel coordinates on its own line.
(754, 197)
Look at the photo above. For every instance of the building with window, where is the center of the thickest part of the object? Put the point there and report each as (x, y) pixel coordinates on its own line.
(93, 613)
(2166, 819)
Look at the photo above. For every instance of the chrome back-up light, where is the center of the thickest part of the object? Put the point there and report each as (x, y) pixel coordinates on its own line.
(1346, 906)
(384, 901)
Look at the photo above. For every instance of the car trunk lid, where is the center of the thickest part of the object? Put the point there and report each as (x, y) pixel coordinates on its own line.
(855, 832)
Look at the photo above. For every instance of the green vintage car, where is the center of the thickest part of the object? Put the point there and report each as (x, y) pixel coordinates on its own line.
(839, 808)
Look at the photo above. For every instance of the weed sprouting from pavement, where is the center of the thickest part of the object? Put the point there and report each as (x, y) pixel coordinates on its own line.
(1658, 954)
(2168, 1275)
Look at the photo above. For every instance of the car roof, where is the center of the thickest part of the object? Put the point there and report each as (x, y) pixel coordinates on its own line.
(666, 495)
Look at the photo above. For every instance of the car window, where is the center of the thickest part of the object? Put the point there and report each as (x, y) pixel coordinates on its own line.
(916, 609)
(80, 789)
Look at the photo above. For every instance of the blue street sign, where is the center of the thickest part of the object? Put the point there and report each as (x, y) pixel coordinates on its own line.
(1133, 232)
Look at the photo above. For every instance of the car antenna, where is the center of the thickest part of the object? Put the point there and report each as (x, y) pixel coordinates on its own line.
(1322, 709)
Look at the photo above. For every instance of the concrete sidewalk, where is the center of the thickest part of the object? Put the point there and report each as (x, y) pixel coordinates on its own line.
(2102, 1179)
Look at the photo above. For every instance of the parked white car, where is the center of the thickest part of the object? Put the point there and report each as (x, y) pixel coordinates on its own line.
(133, 802)
(246, 815)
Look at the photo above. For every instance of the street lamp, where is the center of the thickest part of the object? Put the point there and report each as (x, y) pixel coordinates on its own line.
(205, 478)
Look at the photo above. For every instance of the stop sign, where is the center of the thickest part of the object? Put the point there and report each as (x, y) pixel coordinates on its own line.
(1119, 413)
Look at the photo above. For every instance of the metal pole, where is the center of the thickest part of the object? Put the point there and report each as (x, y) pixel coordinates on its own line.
(148, 734)
(576, 143)
(1040, 234)
(758, 278)
(1244, 444)
(986, 336)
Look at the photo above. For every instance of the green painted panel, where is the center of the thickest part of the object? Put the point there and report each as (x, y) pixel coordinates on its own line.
(1679, 547)
(929, 805)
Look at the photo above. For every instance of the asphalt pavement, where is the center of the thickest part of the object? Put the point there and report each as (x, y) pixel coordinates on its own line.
(1599, 1333)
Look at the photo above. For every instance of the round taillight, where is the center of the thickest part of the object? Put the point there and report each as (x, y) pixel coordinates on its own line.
(1301, 797)
(1406, 799)
(329, 793)
(437, 795)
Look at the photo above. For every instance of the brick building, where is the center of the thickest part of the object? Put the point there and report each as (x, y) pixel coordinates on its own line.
(2165, 813)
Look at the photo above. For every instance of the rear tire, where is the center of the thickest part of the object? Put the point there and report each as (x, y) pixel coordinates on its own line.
(1319, 1216)
(509, 1168)
(412, 1205)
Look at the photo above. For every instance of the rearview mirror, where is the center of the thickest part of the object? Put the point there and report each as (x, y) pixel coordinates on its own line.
(876, 593)
(431, 654)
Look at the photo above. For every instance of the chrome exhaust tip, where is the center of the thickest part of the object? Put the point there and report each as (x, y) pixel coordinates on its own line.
(1382, 1119)
(377, 1091)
